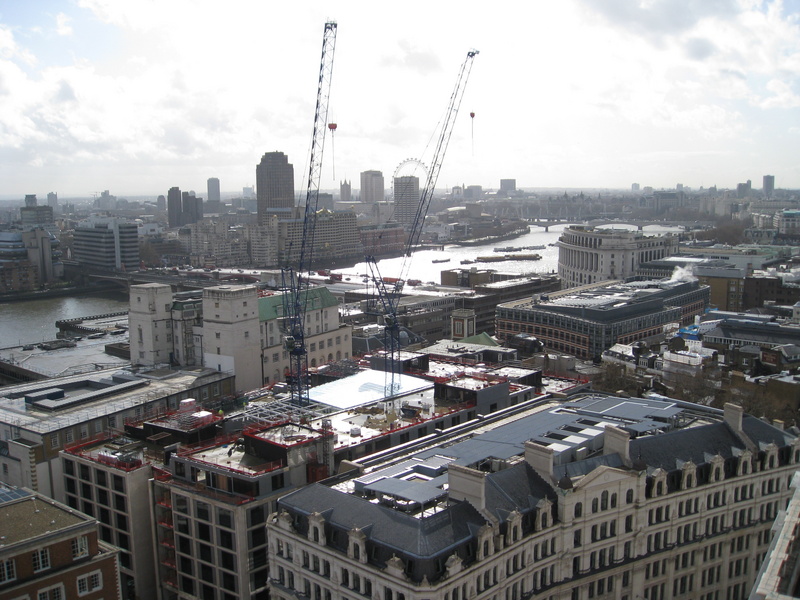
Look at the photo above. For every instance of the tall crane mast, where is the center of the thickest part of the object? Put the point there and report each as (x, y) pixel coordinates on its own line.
(390, 296)
(295, 286)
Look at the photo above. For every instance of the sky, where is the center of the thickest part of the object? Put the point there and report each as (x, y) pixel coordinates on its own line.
(139, 96)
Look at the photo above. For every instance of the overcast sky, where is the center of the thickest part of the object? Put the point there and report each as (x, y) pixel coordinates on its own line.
(136, 97)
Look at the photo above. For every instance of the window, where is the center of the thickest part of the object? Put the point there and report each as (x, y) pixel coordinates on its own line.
(80, 547)
(41, 560)
(55, 592)
(8, 570)
(89, 583)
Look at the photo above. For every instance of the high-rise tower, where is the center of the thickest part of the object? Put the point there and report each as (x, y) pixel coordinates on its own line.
(769, 185)
(372, 187)
(213, 189)
(274, 185)
(406, 199)
(174, 207)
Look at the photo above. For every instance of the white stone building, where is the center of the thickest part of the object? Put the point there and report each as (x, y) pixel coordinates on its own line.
(560, 505)
(588, 255)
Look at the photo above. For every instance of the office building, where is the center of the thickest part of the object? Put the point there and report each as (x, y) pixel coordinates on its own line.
(191, 208)
(274, 185)
(38, 419)
(326, 339)
(108, 478)
(586, 321)
(230, 333)
(600, 497)
(406, 199)
(588, 255)
(32, 215)
(28, 260)
(212, 501)
(372, 187)
(52, 201)
(213, 189)
(107, 243)
(51, 552)
(769, 185)
(262, 241)
(161, 203)
(508, 185)
(230, 329)
(174, 207)
(335, 238)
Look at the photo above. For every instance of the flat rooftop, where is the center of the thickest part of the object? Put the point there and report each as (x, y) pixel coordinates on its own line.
(82, 398)
(34, 516)
(88, 355)
(565, 427)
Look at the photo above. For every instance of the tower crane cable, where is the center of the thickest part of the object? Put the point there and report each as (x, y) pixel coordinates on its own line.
(390, 296)
(296, 293)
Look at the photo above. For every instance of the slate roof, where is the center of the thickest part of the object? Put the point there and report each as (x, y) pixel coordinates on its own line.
(406, 534)
(763, 433)
(670, 450)
(517, 488)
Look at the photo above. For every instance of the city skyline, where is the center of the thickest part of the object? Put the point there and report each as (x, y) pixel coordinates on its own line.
(138, 99)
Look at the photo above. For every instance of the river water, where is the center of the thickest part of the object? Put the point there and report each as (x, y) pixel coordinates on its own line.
(34, 321)
(422, 267)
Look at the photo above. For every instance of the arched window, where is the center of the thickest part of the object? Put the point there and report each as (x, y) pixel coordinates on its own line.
(659, 488)
(595, 505)
(771, 461)
(604, 501)
(356, 551)
(688, 481)
(745, 468)
(544, 520)
(578, 509)
(613, 501)
(629, 497)
(486, 548)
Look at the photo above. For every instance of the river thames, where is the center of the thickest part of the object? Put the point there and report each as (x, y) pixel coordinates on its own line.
(34, 321)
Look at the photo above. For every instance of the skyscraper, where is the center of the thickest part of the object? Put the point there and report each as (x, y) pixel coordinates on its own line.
(769, 185)
(274, 185)
(174, 207)
(406, 199)
(372, 186)
(192, 208)
(213, 189)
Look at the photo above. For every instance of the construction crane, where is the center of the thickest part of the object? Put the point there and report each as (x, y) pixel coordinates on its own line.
(389, 291)
(294, 284)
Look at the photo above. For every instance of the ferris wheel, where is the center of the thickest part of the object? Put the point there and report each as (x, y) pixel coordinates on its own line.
(412, 167)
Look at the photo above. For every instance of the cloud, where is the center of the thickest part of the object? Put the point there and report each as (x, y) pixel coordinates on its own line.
(422, 61)
(62, 24)
(699, 48)
(651, 18)
(782, 96)
(65, 93)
